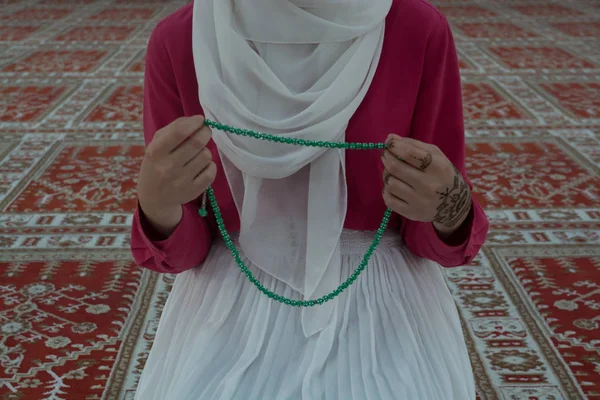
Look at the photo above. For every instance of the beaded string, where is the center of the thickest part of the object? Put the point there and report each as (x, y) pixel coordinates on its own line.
(231, 246)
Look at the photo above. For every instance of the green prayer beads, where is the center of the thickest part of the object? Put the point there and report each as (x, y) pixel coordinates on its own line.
(231, 246)
(296, 142)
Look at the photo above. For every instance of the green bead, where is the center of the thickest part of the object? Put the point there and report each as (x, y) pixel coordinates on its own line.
(311, 303)
(202, 212)
(371, 145)
(352, 146)
(302, 142)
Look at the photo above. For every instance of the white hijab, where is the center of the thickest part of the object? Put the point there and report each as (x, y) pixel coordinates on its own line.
(300, 69)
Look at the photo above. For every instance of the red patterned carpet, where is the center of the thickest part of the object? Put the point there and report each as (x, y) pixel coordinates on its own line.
(77, 317)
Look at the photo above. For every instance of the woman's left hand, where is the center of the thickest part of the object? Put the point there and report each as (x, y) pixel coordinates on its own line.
(421, 184)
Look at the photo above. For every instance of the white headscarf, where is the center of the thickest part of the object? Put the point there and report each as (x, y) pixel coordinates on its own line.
(300, 69)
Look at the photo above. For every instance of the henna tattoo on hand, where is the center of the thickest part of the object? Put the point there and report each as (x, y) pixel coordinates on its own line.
(455, 202)
(386, 177)
(425, 161)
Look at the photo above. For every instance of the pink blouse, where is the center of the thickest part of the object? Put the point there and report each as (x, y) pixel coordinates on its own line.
(416, 92)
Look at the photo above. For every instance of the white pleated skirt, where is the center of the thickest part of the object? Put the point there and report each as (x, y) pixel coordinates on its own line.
(395, 335)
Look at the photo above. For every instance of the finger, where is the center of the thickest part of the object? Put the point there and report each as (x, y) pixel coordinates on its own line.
(386, 177)
(167, 139)
(402, 170)
(395, 203)
(401, 190)
(191, 146)
(410, 153)
(196, 165)
(206, 176)
(417, 143)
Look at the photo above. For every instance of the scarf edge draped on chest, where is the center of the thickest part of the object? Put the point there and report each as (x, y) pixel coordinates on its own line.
(297, 68)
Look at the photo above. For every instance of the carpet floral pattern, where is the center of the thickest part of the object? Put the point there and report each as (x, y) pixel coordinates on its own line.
(78, 317)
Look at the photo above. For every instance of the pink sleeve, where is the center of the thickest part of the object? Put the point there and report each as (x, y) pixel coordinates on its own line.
(438, 120)
(189, 244)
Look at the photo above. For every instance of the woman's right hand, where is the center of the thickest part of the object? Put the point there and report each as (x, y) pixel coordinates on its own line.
(177, 168)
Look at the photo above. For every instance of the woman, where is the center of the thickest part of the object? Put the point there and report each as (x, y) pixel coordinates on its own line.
(304, 217)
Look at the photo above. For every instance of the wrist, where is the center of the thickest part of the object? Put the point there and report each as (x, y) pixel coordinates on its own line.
(162, 219)
(445, 231)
